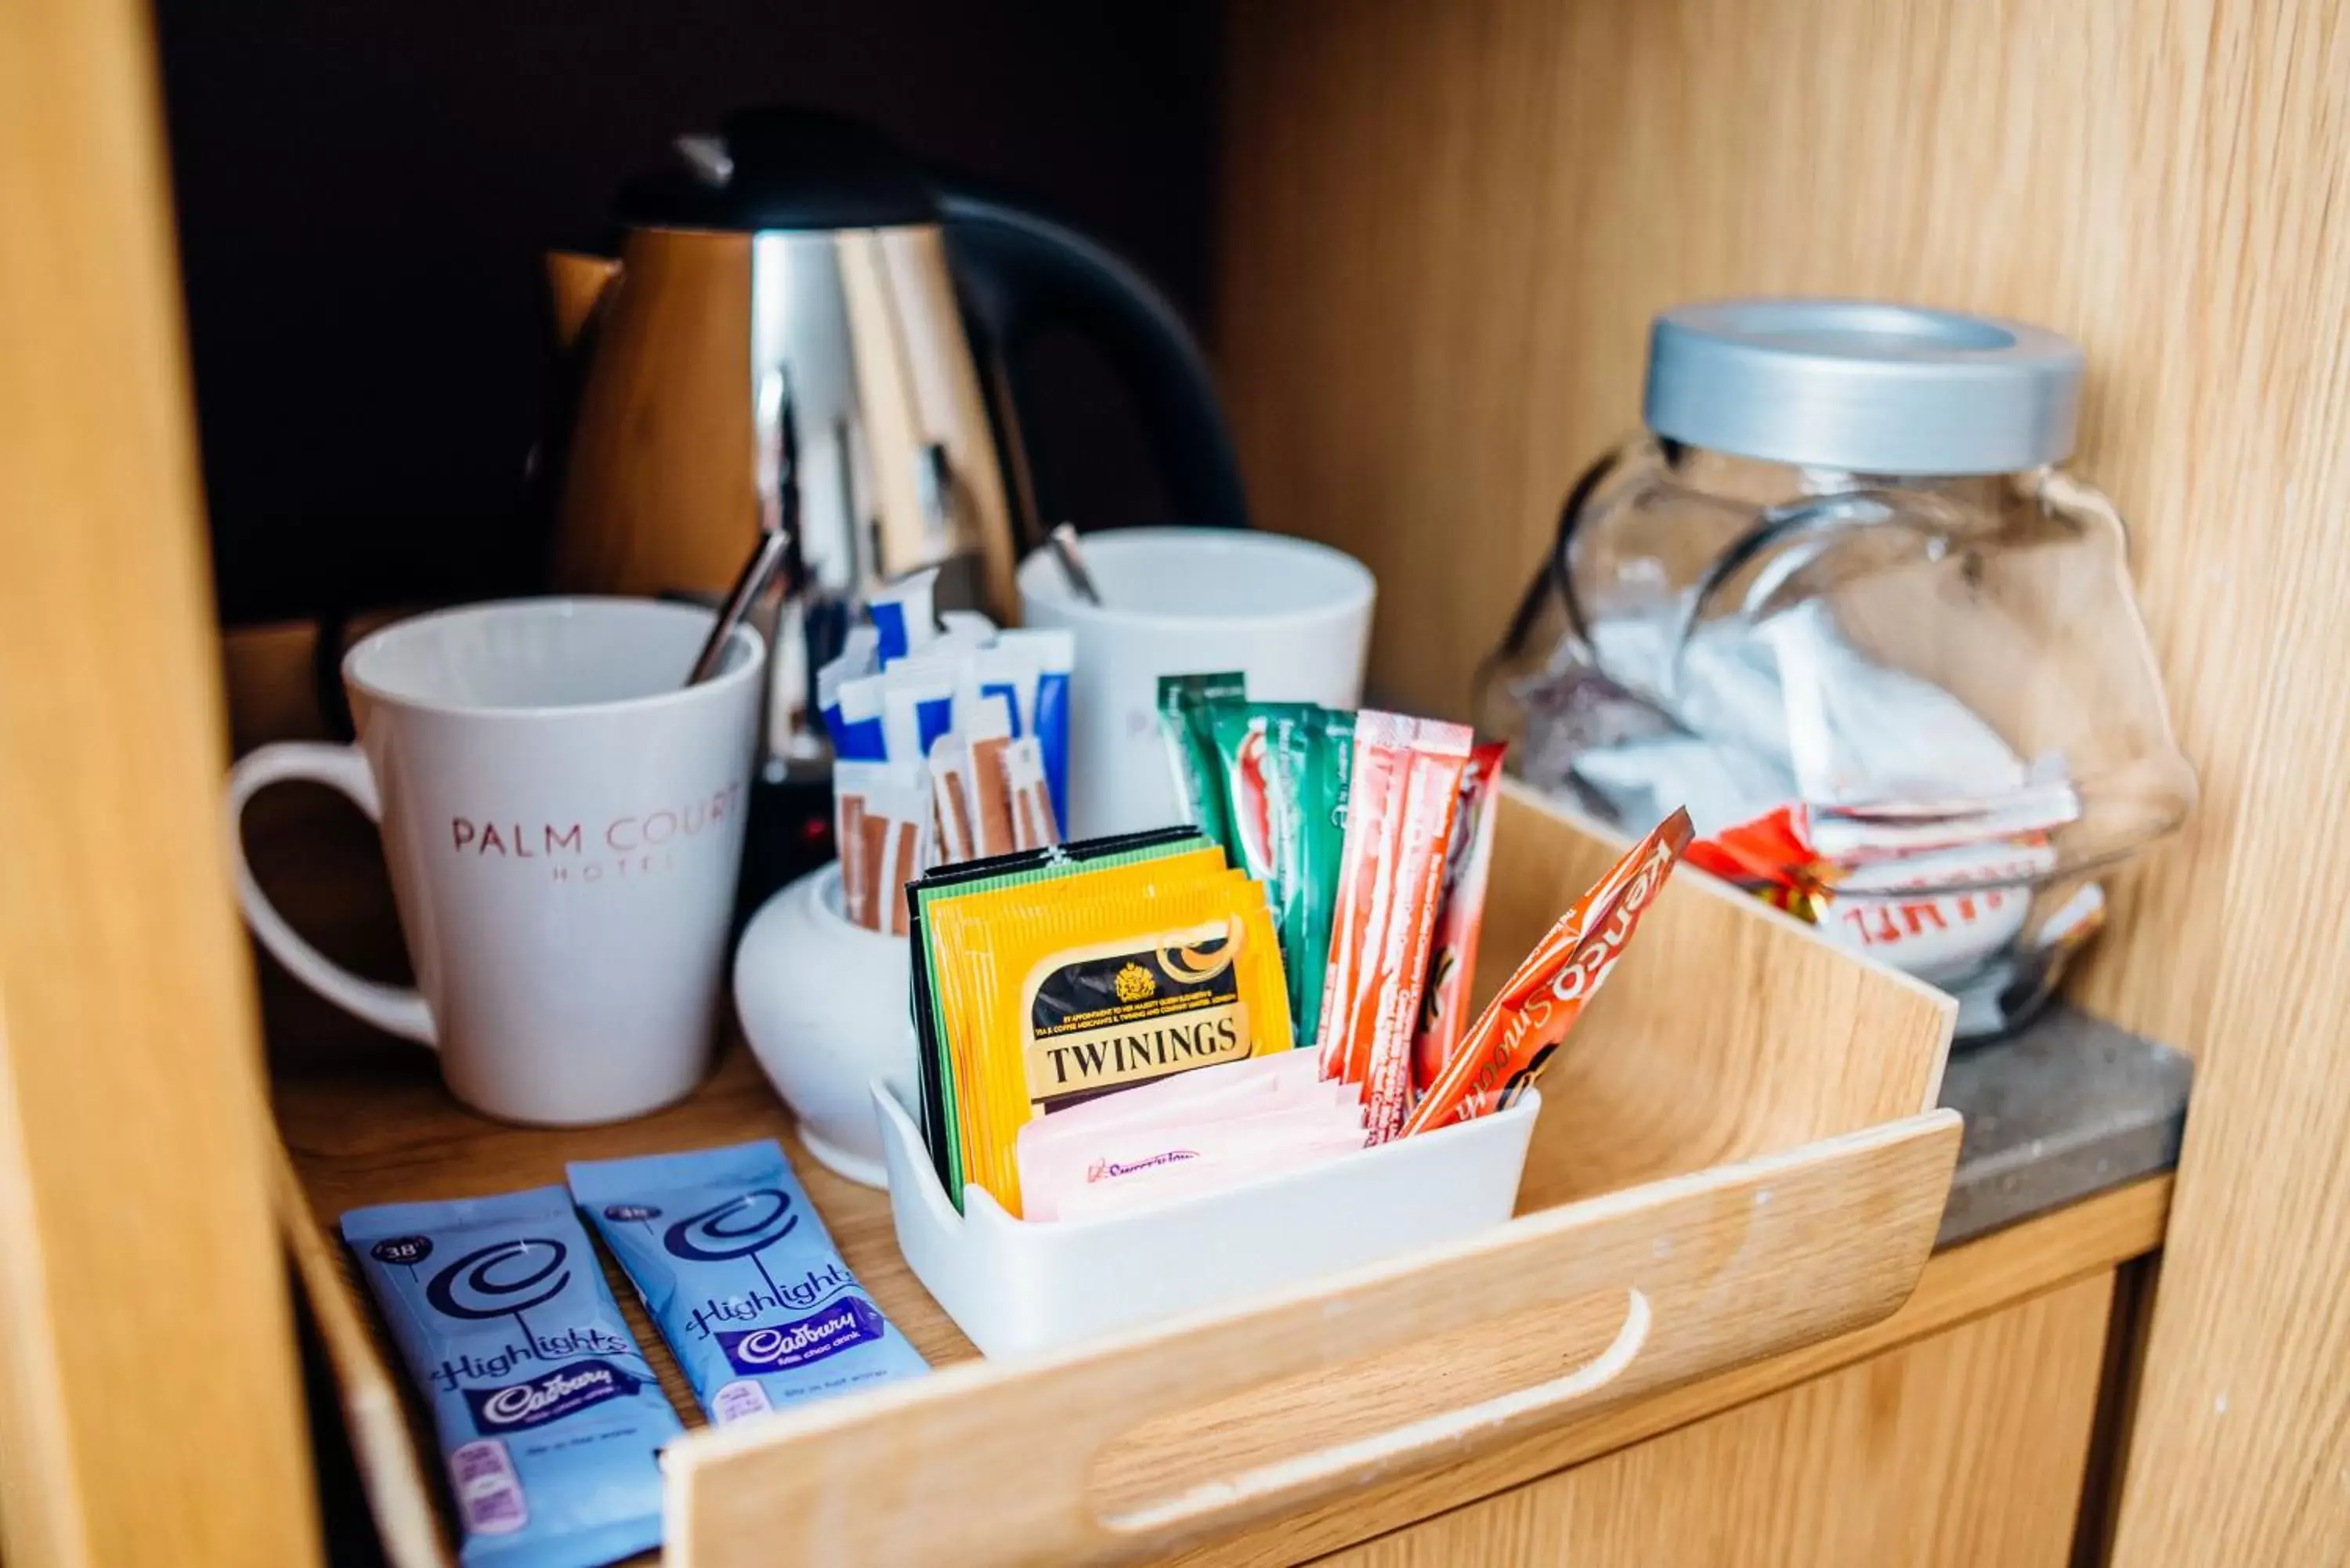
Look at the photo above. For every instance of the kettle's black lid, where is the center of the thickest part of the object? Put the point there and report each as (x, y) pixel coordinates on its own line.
(782, 169)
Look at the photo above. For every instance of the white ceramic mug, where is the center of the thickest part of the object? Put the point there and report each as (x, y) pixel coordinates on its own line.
(1292, 616)
(563, 820)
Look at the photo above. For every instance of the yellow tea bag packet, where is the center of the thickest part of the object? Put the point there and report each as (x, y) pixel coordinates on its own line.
(1082, 990)
(1168, 871)
(959, 921)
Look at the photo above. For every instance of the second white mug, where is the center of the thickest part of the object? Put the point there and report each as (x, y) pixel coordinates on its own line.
(1292, 616)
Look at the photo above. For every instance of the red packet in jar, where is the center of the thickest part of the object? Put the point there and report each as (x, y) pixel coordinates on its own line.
(1773, 852)
(1512, 1039)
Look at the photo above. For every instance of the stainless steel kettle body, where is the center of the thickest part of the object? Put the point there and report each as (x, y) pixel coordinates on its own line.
(803, 330)
(800, 321)
(708, 345)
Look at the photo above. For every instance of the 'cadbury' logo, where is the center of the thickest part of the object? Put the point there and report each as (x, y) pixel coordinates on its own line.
(777, 1346)
(561, 1392)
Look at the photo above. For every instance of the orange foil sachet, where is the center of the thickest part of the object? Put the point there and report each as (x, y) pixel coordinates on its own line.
(1467, 865)
(1512, 1039)
(1406, 788)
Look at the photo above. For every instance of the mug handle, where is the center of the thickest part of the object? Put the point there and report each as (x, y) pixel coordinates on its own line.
(394, 1009)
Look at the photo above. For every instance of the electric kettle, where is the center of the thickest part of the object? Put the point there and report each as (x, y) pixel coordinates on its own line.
(802, 327)
(804, 253)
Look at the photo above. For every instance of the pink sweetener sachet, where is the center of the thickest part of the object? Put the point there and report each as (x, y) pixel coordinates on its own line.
(1155, 1184)
(1222, 1125)
(1227, 1083)
(1065, 1165)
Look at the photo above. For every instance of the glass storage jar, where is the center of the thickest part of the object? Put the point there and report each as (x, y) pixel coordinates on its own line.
(1839, 600)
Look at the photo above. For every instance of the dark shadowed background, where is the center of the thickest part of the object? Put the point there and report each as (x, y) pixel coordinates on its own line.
(364, 188)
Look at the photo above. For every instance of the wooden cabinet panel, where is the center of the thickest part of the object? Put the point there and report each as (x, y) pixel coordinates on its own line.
(150, 1411)
(1964, 1450)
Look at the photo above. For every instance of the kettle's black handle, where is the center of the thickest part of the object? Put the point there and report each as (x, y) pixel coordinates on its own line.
(1020, 272)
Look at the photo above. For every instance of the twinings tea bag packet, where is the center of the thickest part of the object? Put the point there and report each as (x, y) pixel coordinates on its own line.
(1055, 992)
(1155, 998)
(962, 936)
(735, 1265)
(1102, 994)
(950, 912)
(549, 1417)
(942, 1127)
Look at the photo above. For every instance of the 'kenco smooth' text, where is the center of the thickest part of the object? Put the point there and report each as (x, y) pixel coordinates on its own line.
(635, 845)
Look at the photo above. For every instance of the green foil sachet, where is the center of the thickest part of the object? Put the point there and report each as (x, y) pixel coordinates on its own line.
(1283, 770)
(1184, 702)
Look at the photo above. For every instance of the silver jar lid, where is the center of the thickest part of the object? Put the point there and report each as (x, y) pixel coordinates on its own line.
(1862, 387)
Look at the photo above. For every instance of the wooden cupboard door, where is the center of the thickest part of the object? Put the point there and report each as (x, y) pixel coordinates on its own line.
(1963, 1450)
(150, 1402)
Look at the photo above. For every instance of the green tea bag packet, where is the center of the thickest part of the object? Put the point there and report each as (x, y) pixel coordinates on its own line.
(1184, 702)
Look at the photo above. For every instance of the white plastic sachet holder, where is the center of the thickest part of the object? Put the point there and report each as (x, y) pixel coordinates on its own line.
(1015, 1287)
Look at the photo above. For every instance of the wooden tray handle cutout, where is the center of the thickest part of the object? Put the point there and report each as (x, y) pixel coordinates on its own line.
(1198, 1504)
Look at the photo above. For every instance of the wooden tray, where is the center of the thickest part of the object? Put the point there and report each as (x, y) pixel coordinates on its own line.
(1738, 1155)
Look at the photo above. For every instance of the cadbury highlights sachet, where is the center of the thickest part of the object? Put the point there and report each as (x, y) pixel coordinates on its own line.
(550, 1417)
(737, 1266)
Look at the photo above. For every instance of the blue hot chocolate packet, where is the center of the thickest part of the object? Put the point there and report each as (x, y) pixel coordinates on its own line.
(550, 1419)
(735, 1265)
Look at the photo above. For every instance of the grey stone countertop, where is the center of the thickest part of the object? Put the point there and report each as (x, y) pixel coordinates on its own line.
(2069, 1106)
